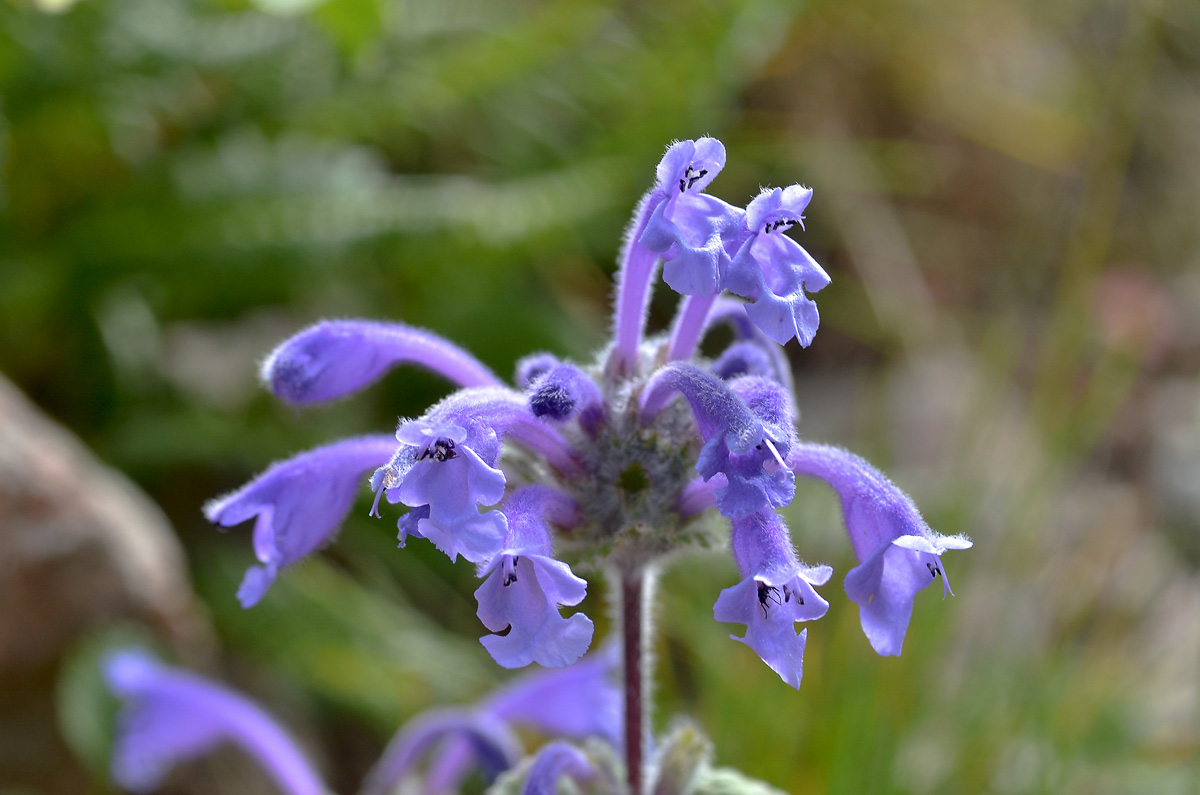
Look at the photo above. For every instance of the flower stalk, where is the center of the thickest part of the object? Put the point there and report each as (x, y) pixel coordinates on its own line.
(635, 624)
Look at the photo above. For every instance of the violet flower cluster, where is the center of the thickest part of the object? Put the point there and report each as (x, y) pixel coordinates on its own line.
(612, 465)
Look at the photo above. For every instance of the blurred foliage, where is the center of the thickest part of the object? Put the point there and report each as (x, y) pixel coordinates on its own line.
(1005, 197)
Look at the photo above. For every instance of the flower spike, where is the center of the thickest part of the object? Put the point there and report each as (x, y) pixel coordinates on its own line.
(898, 554)
(335, 358)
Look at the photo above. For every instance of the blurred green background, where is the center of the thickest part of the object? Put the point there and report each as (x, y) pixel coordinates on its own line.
(1006, 197)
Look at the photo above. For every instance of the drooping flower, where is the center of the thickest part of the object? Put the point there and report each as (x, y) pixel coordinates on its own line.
(299, 504)
(776, 593)
(737, 444)
(524, 587)
(451, 480)
(898, 554)
(170, 715)
(446, 464)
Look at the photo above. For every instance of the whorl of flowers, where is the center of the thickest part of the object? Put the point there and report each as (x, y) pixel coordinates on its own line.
(610, 465)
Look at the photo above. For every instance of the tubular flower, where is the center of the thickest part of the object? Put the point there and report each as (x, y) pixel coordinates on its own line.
(898, 554)
(170, 715)
(776, 593)
(576, 703)
(597, 464)
(299, 504)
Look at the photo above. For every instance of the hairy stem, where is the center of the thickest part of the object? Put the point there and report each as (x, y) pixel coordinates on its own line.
(634, 621)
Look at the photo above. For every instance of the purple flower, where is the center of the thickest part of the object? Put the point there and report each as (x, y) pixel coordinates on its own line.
(170, 716)
(446, 464)
(524, 587)
(898, 554)
(773, 271)
(687, 227)
(576, 702)
(300, 503)
(776, 593)
(470, 738)
(738, 444)
(337, 357)
(451, 480)
(554, 761)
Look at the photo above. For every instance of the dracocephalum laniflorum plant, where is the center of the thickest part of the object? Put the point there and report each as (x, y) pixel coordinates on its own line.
(611, 467)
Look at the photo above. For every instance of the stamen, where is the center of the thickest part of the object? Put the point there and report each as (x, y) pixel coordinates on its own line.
(774, 452)
(375, 505)
(767, 593)
(441, 450)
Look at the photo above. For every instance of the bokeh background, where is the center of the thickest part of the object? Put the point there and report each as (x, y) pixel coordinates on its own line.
(1006, 197)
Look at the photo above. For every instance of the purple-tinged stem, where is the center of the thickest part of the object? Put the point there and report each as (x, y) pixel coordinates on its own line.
(634, 621)
(633, 293)
(690, 324)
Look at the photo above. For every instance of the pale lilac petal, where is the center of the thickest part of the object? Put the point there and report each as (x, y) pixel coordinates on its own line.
(170, 715)
(773, 271)
(336, 358)
(524, 599)
(524, 587)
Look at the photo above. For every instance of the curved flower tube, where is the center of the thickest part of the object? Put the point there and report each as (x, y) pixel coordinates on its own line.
(555, 760)
(776, 593)
(170, 715)
(898, 553)
(576, 702)
(300, 503)
(684, 172)
(492, 746)
(335, 358)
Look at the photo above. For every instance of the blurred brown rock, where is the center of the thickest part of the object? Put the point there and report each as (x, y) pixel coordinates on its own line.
(81, 548)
